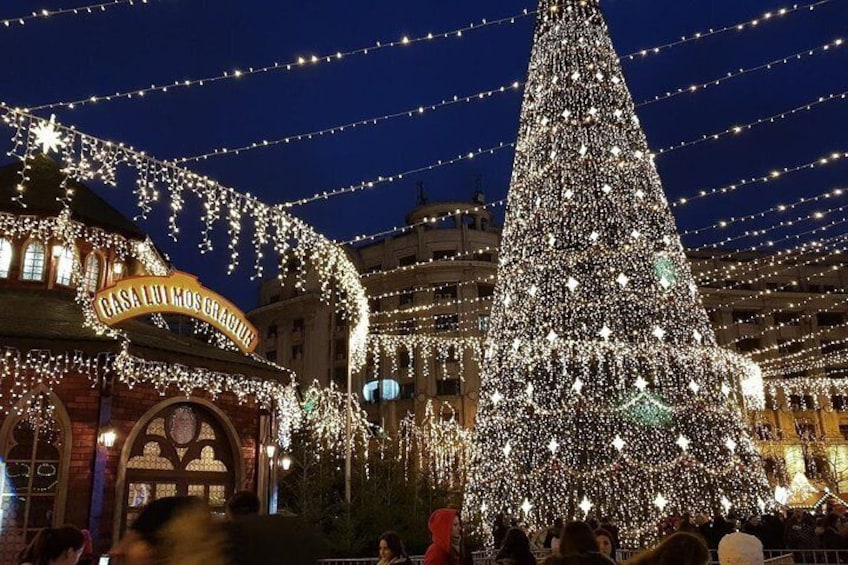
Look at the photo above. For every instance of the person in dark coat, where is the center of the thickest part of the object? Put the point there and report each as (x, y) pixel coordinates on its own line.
(578, 546)
(499, 530)
(515, 549)
(681, 548)
(392, 551)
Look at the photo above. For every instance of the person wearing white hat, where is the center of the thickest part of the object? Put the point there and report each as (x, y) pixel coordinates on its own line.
(740, 549)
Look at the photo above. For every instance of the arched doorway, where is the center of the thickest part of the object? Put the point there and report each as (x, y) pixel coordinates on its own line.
(183, 450)
(34, 459)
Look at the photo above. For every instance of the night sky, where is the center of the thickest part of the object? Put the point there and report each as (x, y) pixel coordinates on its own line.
(76, 56)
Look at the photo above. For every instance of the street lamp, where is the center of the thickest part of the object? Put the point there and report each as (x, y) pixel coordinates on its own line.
(270, 451)
(108, 437)
(286, 462)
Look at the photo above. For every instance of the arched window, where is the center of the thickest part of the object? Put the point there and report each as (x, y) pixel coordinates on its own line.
(5, 258)
(91, 277)
(65, 266)
(183, 450)
(34, 449)
(33, 265)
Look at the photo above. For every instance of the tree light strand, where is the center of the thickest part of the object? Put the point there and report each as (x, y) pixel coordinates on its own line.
(89, 9)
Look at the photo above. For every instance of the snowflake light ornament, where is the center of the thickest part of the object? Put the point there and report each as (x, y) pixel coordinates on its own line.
(47, 136)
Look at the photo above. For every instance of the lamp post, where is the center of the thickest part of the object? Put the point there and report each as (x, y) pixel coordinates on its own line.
(270, 452)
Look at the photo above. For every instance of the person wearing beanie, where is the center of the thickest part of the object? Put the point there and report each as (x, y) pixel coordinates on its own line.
(740, 549)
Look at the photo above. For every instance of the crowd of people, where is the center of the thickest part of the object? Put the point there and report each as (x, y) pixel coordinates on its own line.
(182, 530)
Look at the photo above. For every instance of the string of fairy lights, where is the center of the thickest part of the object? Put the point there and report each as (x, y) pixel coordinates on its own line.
(292, 65)
(45, 13)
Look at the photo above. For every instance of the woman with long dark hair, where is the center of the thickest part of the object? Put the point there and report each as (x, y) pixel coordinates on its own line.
(392, 551)
(515, 549)
(54, 546)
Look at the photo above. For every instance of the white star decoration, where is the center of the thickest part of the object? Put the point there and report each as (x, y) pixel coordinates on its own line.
(658, 333)
(496, 398)
(618, 443)
(730, 444)
(726, 504)
(682, 442)
(533, 290)
(698, 336)
(526, 506)
(594, 236)
(694, 387)
(507, 449)
(552, 336)
(577, 386)
(569, 193)
(664, 282)
(605, 332)
(553, 445)
(660, 502)
(585, 505)
(572, 284)
(622, 280)
(641, 383)
(47, 136)
(725, 390)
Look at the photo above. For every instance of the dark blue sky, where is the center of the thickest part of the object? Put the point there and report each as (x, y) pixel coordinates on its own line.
(68, 57)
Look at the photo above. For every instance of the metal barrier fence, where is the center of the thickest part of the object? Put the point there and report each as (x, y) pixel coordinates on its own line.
(773, 557)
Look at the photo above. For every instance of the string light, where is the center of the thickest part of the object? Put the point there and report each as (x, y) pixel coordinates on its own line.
(89, 9)
(416, 111)
(365, 185)
(587, 206)
(743, 71)
(737, 129)
(772, 175)
(293, 65)
(767, 16)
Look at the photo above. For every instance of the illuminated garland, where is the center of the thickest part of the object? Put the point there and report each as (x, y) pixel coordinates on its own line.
(830, 45)
(302, 61)
(440, 446)
(325, 416)
(750, 24)
(601, 371)
(416, 111)
(87, 9)
(85, 157)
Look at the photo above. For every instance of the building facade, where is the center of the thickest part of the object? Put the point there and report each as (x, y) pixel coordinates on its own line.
(95, 424)
(433, 282)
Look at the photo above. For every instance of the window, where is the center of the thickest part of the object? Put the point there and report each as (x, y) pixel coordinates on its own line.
(445, 292)
(91, 276)
(765, 432)
(182, 451)
(745, 316)
(805, 430)
(484, 257)
(272, 331)
(749, 344)
(830, 318)
(65, 266)
(447, 323)
(375, 304)
(375, 391)
(485, 290)
(406, 298)
(483, 322)
(297, 352)
(340, 349)
(831, 346)
(407, 390)
(406, 260)
(447, 387)
(786, 346)
(442, 254)
(5, 258)
(787, 318)
(404, 359)
(838, 401)
(406, 327)
(297, 325)
(31, 478)
(33, 266)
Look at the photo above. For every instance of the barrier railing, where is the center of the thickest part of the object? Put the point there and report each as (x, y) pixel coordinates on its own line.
(773, 557)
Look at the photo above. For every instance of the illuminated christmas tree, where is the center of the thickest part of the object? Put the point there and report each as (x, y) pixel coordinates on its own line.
(603, 390)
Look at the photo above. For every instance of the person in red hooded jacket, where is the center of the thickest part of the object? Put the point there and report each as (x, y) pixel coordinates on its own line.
(446, 529)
